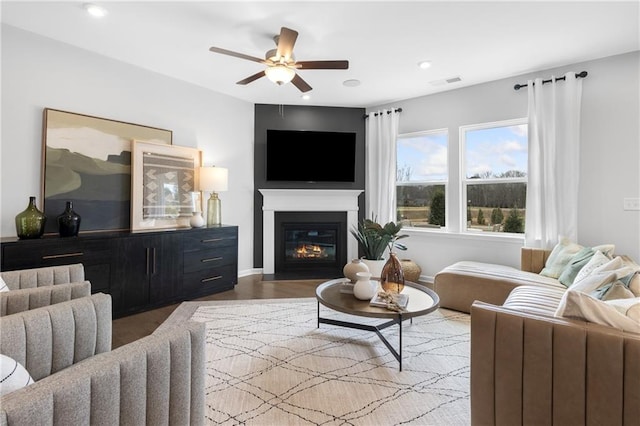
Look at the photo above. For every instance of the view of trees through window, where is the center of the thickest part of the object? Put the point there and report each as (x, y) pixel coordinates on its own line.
(493, 180)
(422, 175)
(495, 176)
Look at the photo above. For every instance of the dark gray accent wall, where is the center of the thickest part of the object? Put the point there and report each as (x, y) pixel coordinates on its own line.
(292, 117)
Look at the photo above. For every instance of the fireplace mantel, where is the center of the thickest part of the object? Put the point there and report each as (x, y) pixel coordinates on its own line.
(303, 200)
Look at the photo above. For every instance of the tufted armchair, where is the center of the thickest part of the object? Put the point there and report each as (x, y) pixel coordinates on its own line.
(66, 348)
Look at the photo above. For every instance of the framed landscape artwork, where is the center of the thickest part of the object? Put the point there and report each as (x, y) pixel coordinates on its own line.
(164, 180)
(87, 160)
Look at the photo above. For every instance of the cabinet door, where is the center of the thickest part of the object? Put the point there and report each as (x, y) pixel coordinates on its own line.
(148, 270)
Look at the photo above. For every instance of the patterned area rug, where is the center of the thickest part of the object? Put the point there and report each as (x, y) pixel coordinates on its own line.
(268, 363)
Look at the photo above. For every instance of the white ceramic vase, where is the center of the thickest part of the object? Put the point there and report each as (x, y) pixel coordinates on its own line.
(352, 268)
(196, 221)
(364, 289)
(375, 266)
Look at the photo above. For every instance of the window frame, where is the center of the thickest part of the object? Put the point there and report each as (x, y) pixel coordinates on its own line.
(465, 181)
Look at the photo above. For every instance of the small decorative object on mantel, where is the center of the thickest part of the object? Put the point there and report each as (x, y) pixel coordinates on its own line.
(352, 268)
(69, 221)
(30, 222)
(364, 289)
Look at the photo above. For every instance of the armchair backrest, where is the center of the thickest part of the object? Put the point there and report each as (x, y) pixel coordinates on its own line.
(51, 338)
(38, 277)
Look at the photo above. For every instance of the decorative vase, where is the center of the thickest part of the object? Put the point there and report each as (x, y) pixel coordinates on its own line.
(364, 289)
(30, 222)
(411, 270)
(196, 221)
(69, 221)
(352, 268)
(392, 278)
(375, 266)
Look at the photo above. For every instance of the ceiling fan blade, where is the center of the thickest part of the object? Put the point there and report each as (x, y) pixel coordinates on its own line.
(252, 78)
(322, 65)
(302, 85)
(286, 40)
(237, 55)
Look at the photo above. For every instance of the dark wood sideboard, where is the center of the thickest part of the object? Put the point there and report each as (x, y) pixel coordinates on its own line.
(140, 271)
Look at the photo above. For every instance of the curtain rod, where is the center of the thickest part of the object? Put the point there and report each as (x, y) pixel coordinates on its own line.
(582, 74)
(375, 114)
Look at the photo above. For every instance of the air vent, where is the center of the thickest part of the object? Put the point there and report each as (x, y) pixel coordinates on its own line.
(445, 81)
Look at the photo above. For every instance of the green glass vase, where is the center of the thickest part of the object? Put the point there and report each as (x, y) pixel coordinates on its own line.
(30, 222)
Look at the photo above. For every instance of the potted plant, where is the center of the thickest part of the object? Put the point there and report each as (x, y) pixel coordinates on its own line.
(373, 239)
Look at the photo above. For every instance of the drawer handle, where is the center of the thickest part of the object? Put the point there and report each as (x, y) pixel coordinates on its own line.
(58, 256)
(211, 240)
(212, 259)
(204, 280)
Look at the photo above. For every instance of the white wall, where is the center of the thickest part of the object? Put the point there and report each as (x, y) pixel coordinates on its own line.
(40, 73)
(609, 160)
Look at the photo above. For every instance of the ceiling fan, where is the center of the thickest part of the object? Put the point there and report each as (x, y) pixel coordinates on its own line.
(281, 64)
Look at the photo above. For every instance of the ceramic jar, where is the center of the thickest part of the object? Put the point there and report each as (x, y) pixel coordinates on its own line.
(196, 221)
(69, 221)
(352, 268)
(30, 222)
(364, 289)
(392, 277)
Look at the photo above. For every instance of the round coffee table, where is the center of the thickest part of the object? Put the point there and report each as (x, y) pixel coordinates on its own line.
(422, 301)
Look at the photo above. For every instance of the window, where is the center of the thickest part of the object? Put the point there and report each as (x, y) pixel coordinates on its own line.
(494, 180)
(421, 179)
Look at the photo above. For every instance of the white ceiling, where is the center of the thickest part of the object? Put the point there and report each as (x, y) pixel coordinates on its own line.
(383, 40)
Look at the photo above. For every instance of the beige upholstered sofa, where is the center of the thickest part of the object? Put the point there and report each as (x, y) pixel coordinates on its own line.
(157, 380)
(530, 367)
(37, 287)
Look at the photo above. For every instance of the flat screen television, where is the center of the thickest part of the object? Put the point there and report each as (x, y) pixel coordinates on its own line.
(311, 156)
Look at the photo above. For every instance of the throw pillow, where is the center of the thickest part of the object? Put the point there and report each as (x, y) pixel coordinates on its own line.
(598, 259)
(628, 307)
(578, 261)
(3, 285)
(13, 375)
(559, 257)
(634, 284)
(584, 307)
(606, 249)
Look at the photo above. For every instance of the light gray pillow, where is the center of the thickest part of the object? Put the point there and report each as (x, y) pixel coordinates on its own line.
(559, 257)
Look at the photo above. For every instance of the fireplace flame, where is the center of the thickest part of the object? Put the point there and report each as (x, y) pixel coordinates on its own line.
(309, 251)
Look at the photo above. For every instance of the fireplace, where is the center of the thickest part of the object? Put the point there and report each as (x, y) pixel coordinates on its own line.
(307, 201)
(310, 244)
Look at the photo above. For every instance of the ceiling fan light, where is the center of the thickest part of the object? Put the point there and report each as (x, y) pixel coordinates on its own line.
(280, 74)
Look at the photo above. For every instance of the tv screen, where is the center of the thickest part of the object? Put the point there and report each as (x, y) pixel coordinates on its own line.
(310, 156)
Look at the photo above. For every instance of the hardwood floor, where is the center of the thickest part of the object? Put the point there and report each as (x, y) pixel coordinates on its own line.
(133, 327)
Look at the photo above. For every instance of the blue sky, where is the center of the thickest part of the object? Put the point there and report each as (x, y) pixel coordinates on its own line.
(494, 150)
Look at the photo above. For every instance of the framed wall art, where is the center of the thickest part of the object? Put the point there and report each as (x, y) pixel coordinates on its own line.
(87, 160)
(164, 178)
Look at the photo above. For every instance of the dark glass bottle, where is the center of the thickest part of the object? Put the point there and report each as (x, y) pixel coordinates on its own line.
(69, 221)
(30, 222)
(392, 277)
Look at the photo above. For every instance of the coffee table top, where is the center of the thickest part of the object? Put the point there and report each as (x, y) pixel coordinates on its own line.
(422, 301)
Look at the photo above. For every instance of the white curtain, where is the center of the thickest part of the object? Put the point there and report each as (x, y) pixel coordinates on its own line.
(554, 163)
(380, 176)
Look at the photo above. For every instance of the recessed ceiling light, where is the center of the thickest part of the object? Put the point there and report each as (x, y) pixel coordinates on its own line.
(306, 97)
(351, 83)
(424, 65)
(95, 10)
